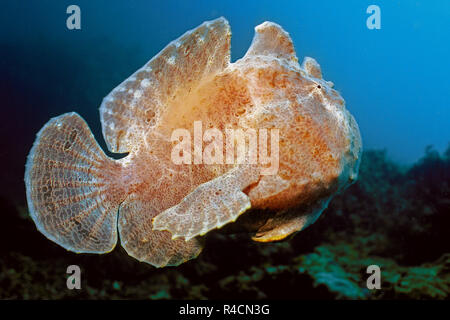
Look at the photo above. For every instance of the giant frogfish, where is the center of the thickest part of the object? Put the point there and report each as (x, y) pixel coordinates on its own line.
(207, 141)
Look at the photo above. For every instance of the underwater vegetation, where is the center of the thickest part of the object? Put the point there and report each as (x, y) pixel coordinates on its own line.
(394, 216)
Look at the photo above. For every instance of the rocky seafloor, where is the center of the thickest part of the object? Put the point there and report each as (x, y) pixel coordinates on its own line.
(395, 217)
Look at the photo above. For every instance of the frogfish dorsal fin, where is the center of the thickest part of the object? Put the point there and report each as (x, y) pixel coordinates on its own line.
(271, 40)
(137, 104)
(311, 67)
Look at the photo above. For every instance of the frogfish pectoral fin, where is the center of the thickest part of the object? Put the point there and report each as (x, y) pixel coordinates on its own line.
(211, 205)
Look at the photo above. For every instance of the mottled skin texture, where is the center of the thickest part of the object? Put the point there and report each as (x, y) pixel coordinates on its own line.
(162, 209)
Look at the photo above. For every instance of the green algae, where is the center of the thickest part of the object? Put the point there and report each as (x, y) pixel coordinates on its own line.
(393, 217)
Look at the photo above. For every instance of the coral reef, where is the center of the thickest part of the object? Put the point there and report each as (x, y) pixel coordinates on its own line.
(395, 217)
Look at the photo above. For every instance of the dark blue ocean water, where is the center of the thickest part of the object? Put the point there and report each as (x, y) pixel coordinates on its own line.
(395, 80)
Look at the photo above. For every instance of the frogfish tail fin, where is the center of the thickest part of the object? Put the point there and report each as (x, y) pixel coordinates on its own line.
(72, 191)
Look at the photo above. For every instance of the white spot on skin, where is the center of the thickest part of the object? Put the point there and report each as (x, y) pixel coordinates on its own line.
(339, 116)
(316, 175)
(137, 94)
(145, 83)
(171, 60)
(125, 161)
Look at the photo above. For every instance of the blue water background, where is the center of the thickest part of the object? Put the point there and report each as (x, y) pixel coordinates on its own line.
(395, 80)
